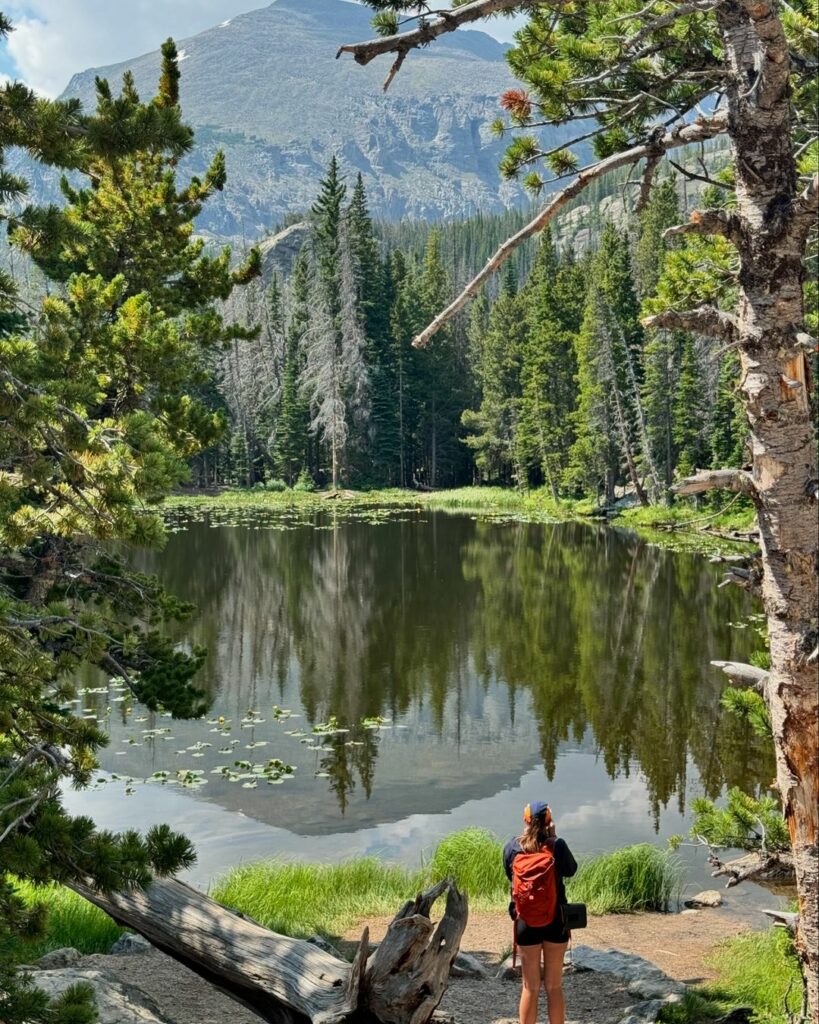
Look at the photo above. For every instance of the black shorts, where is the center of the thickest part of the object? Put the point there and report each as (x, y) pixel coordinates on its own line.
(527, 936)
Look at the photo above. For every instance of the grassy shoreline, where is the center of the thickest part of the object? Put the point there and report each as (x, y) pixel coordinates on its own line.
(758, 970)
(676, 525)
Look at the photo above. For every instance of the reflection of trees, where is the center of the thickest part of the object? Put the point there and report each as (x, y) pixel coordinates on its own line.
(608, 632)
(596, 628)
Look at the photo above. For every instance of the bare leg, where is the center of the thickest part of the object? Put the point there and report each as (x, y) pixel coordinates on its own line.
(530, 969)
(553, 953)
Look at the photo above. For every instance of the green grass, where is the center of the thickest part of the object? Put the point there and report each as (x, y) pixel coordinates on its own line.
(641, 877)
(306, 899)
(302, 899)
(654, 523)
(71, 921)
(474, 858)
(759, 970)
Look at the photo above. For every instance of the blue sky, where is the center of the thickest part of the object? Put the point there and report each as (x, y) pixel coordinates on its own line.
(53, 39)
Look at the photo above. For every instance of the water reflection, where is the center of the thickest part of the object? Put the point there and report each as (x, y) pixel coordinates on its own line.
(490, 646)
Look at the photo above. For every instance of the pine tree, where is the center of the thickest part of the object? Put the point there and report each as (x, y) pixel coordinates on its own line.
(728, 428)
(443, 376)
(548, 368)
(594, 457)
(689, 412)
(334, 373)
(100, 419)
(495, 422)
(292, 423)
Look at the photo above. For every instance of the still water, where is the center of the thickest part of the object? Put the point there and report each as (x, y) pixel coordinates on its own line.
(472, 664)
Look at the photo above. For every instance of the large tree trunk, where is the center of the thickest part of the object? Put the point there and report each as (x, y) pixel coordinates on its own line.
(769, 231)
(291, 981)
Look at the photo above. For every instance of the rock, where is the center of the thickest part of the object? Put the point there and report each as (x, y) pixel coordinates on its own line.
(707, 898)
(649, 987)
(328, 947)
(129, 943)
(644, 1013)
(741, 1015)
(689, 911)
(629, 967)
(506, 972)
(65, 957)
(116, 1003)
(467, 966)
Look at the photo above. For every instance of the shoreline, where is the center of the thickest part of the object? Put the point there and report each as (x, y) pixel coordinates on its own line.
(679, 527)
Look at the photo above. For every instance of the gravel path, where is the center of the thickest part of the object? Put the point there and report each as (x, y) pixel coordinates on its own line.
(678, 944)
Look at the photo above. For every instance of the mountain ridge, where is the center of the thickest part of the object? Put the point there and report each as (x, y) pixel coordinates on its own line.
(267, 88)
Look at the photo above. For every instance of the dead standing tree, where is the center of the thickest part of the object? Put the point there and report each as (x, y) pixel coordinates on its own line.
(640, 72)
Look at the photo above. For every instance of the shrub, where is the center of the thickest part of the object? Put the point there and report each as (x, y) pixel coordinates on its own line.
(305, 483)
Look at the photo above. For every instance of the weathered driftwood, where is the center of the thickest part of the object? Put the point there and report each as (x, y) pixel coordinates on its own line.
(759, 866)
(291, 981)
(741, 674)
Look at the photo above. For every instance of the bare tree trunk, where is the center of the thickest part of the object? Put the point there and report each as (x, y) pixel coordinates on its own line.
(770, 233)
(291, 981)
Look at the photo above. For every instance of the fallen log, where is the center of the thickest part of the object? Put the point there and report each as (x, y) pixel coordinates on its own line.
(292, 981)
(759, 866)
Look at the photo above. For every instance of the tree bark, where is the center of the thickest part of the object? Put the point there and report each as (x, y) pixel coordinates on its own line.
(291, 981)
(771, 241)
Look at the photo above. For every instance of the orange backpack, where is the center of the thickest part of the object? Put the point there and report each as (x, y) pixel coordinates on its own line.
(534, 888)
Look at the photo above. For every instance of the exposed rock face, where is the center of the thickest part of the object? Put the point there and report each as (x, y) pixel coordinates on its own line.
(117, 1003)
(266, 87)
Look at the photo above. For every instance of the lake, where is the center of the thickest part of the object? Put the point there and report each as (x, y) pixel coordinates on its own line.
(469, 664)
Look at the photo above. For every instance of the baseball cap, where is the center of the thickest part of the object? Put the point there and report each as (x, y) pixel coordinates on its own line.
(537, 809)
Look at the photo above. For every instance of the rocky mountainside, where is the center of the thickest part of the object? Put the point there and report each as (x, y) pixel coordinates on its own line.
(266, 87)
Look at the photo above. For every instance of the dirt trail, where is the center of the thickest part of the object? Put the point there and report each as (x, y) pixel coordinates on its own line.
(679, 944)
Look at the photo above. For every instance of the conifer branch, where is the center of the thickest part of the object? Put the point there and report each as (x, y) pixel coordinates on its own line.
(698, 131)
(705, 320)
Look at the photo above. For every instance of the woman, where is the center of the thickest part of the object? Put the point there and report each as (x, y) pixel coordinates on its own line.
(547, 943)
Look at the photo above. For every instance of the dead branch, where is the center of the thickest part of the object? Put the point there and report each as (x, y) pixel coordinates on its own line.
(717, 479)
(427, 31)
(705, 320)
(696, 132)
(709, 222)
(741, 674)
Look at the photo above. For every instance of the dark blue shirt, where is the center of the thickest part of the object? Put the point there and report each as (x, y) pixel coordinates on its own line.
(564, 862)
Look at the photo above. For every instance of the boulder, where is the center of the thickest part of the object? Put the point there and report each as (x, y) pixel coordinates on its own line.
(65, 957)
(328, 947)
(129, 943)
(467, 966)
(644, 1013)
(506, 972)
(117, 1003)
(631, 968)
(707, 898)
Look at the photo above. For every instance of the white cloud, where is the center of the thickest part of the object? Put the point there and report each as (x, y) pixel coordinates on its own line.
(53, 39)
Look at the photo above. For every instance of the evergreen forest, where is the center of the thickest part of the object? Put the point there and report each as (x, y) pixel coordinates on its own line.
(550, 379)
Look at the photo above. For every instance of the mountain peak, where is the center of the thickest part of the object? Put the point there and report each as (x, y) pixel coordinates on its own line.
(266, 87)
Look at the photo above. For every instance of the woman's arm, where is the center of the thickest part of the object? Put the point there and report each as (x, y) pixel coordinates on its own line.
(566, 864)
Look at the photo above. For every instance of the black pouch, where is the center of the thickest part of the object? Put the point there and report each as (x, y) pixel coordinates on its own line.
(574, 915)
